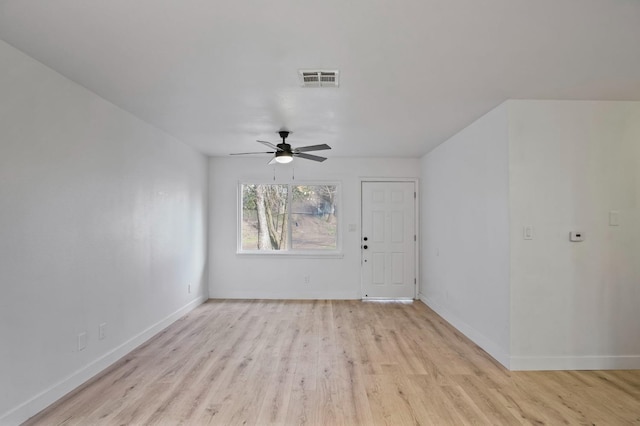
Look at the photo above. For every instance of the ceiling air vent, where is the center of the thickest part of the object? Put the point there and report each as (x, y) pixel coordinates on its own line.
(319, 78)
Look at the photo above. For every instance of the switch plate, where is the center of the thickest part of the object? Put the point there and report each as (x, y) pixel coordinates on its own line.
(614, 218)
(527, 232)
(353, 227)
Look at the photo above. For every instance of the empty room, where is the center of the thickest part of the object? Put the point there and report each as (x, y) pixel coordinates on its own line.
(342, 213)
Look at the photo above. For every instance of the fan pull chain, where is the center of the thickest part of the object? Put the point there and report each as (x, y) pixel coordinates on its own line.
(274, 174)
(293, 173)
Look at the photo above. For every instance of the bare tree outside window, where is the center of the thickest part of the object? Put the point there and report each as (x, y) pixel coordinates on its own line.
(314, 224)
(289, 217)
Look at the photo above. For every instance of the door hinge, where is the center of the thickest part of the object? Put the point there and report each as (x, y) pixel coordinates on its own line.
(415, 238)
(414, 195)
(415, 281)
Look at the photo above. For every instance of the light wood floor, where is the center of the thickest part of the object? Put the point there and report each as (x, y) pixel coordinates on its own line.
(334, 363)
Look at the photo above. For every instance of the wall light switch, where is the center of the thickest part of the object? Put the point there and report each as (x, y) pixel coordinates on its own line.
(353, 227)
(614, 218)
(528, 232)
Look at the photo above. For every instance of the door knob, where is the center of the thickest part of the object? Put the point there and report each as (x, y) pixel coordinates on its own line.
(365, 238)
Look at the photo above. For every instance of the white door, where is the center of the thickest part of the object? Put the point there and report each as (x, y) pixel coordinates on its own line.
(388, 240)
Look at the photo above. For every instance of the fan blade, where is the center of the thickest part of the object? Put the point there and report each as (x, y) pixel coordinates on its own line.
(273, 160)
(247, 153)
(270, 145)
(312, 148)
(309, 157)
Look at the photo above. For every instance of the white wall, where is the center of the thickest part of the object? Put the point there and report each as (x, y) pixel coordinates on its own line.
(465, 232)
(575, 305)
(545, 303)
(102, 219)
(257, 276)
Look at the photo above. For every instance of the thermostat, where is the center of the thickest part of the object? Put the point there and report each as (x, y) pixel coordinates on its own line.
(576, 236)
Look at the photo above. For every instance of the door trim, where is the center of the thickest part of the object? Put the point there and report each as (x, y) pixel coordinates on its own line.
(416, 225)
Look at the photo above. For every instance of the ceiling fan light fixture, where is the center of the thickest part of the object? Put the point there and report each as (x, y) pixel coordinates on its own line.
(284, 153)
(284, 157)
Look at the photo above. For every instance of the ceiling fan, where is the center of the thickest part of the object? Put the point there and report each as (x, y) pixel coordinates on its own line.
(284, 153)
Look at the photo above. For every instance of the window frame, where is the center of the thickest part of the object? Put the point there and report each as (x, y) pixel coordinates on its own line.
(332, 253)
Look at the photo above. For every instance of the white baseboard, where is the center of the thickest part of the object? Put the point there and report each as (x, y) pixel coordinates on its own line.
(544, 363)
(477, 337)
(45, 398)
(269, 295)
(534, 363)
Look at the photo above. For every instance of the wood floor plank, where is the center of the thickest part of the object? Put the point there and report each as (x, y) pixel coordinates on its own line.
(320, 362)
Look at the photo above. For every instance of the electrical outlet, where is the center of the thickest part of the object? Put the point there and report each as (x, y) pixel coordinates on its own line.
(307, 279)
(189, 288)
(82, 340)
(614, 218)
(102, 331)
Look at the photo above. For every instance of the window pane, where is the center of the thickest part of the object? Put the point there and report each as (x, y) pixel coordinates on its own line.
(314, 224)
(264, 217)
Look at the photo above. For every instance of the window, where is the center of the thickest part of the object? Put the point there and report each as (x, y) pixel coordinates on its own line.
(288, 218)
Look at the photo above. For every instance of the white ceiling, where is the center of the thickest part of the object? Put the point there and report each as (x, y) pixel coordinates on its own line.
(220, 74)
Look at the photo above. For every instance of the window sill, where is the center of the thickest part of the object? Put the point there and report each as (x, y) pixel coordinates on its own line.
(301, 255)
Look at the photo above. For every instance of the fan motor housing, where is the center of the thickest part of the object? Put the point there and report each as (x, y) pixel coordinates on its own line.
(285, 147)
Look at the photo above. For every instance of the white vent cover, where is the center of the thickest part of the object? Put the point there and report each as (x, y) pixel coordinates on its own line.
(319, 78)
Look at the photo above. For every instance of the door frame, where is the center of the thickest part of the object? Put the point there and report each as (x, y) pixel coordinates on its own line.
(416, 225)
